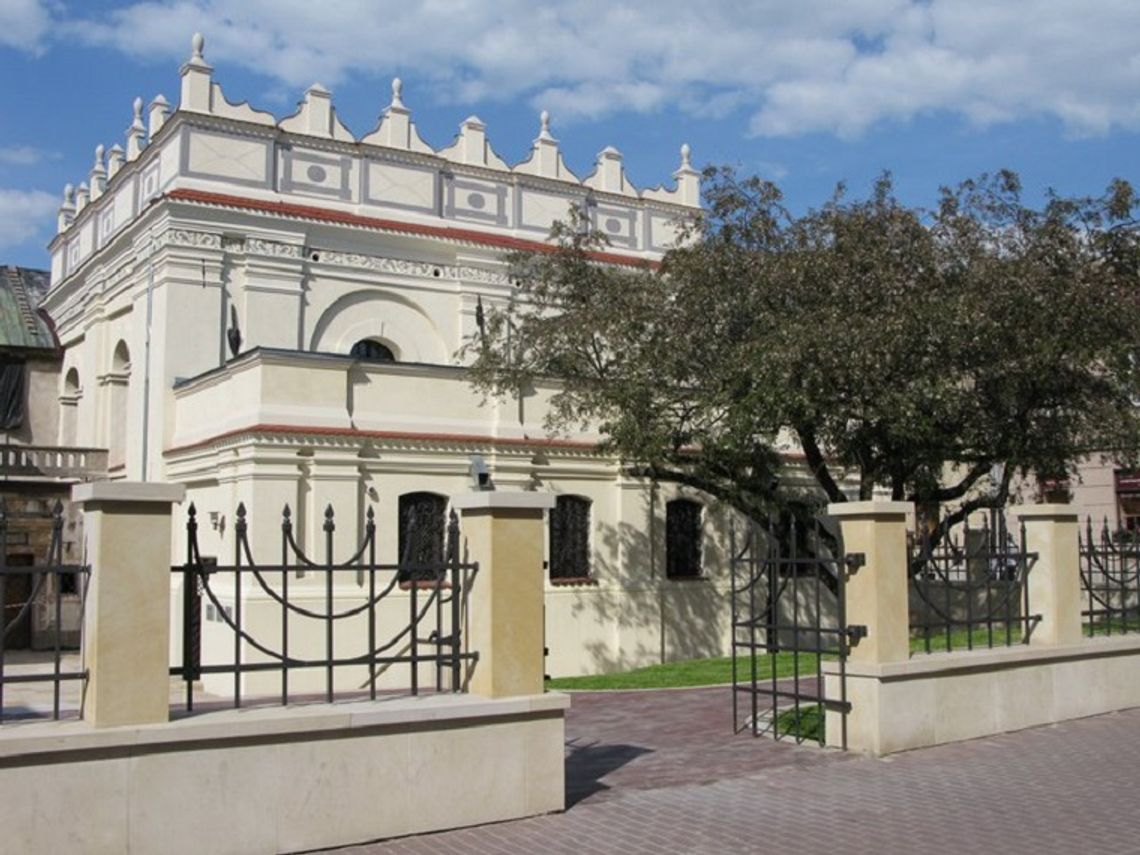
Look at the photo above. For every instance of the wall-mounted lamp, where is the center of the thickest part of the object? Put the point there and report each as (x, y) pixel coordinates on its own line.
(480, 474)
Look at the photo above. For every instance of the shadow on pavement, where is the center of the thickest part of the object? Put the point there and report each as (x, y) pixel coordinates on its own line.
(587, 764)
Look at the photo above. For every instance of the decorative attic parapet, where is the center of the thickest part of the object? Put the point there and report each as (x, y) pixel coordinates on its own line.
(688, 179)
(471, 146)
(217, 149)
(609, 174)
(136, 133)
(545, 158)
(316, 117)
(197, 79)
(396, 129)
(157, 115)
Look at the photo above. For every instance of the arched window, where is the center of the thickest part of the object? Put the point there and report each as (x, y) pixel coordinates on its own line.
(421, 535)
(119, 381)
(683, 538)
(370, 350)
(570, 538)
(69, 409)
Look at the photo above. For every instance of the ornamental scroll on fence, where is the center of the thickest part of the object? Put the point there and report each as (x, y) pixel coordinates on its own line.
(43, 585)
(428, 632)
(969, 589)
(1110, 579)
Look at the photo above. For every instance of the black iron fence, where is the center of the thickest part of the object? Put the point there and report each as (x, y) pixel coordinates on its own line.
(1110, 579)
(788, 618)
(25, 588)
(384, 633)
(968, 588)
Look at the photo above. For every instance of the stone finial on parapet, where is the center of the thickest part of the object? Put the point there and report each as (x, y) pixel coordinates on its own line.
(196, 78)
(545, 159)
(98, 174)
(397, 96)
(82, 197)
(688, 179)
(136, 133)
(114, 160)
(156, 115)
(609, 175)
(66, 209)
(396, 129)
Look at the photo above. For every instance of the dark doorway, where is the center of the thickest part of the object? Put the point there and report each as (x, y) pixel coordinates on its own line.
(17, 591)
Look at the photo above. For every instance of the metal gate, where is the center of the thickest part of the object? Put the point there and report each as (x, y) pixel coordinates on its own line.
(788, 620)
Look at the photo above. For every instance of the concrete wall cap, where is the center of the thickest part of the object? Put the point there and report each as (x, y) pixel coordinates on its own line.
(872, 508)
(271, 724)
(1060, 512)
(925, 665)
(128, 491)
(505, 500)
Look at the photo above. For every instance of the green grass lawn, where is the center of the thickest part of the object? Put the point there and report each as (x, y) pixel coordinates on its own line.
(690, 672)
(960, 639)
(712, 672)
(1110, 627)
(809, 726)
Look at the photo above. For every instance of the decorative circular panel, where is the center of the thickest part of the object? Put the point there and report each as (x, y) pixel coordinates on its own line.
(476, 201)
(613, 225)
(316, 174)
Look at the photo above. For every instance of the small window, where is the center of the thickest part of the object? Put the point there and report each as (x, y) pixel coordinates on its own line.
(420, 539)
(570, 538)
(683, 539)
(370, 350)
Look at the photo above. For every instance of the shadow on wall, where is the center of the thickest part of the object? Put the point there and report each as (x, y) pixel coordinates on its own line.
(649, 618)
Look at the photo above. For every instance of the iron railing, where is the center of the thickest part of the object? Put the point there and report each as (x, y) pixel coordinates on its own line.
(436, 597)
(1110, 579)
(788, 617)
(968, 589)
(21, 588)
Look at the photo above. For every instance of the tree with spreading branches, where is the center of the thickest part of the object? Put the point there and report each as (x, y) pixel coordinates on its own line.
(870, 343)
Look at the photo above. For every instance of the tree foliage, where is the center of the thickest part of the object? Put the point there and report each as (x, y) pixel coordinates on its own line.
(883, 345)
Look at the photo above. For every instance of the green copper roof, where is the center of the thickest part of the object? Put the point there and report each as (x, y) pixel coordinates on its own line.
(22, 325)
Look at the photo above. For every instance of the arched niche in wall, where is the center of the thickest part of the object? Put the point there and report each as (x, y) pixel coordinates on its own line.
(382, 316)
(118, 386)
(69, 408)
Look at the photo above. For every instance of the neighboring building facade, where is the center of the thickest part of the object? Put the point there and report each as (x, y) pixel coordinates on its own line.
(346, 273)
(39, 461)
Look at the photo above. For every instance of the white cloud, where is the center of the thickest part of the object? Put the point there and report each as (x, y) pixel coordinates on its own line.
(21, 155)
(814, 65)
(24, 23)
(24, 214)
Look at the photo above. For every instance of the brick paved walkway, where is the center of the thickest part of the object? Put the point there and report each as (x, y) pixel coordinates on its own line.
(660, 772)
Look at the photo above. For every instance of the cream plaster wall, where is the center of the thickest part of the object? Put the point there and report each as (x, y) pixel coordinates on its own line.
(947, 697)
(282, 780)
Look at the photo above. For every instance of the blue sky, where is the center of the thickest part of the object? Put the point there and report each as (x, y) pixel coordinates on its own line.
(807, 93)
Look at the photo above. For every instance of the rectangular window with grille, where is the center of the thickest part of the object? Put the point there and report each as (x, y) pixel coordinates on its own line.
(420, 540)
(570, 538)
(683, 539)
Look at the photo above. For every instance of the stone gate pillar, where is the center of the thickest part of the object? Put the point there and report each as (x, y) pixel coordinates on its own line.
(1054, 580)
(126, 624)
(504, 532)
(877, 593)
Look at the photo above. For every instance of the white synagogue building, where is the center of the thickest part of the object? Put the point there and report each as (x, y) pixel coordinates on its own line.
(350, 268)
